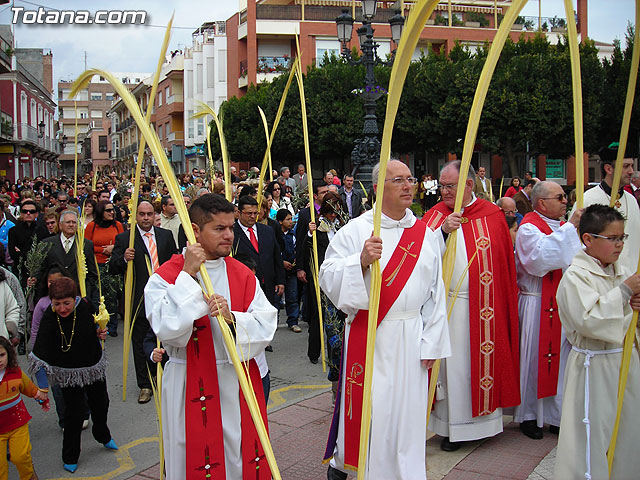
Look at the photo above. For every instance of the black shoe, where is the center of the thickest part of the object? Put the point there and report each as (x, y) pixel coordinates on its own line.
(335, 474)
(531, 429)
(314, 361)
(449, 446)
(268, 348)
(553, 429)
(113, 334)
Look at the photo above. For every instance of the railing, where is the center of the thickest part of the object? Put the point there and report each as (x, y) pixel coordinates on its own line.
(27, 133)
(273, 64)
(531, 23)
(314, 13)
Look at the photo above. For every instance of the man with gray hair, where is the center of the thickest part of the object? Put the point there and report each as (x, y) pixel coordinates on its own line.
(545, 247)
(481, 377)
(412, 333)
(63, 253)
(288, 181)
(508, 206)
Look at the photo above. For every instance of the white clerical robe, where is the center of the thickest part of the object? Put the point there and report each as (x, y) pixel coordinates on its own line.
(452, 415)
(415, 328)
(536, 255)
(631, 212)
(171, 310)
(595, 314)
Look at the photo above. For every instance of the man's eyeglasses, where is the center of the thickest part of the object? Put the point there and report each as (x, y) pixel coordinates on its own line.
(401, 180)
(560, 197)
(449, 186)
(28, 212)
(619, 239)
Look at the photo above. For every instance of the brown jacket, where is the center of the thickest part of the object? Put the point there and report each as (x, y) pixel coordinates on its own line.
(523, 204)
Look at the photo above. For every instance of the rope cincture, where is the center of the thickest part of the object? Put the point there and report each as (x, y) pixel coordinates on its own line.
(588, 355)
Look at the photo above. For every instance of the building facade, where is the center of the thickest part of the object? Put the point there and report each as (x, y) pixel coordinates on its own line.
(205, 80)
(28, 145)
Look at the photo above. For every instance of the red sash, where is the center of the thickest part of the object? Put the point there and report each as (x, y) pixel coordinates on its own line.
(550, 326)
(203, 418)
(394, 278)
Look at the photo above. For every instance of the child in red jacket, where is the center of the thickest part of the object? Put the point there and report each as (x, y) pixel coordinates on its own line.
(13, 414)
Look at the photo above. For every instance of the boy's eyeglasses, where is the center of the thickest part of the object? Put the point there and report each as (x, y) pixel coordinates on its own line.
(621, 238)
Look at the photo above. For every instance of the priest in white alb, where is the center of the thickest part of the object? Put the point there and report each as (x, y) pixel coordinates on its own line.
(545, 246)
(626, 204)
(481, 376)
(412, 332)
(207, 428)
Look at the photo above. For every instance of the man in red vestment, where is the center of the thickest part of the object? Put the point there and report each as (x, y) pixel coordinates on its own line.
(207, 428)
(482, 374)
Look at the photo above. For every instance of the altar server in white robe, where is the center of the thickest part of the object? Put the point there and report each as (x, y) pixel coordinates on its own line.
(173, 306)
(538, 254)
(409, 338)
(596, 296)
(627, 205)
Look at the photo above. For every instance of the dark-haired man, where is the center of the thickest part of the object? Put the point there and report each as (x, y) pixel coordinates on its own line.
(287, 243)
(303, 271)
(258, 241)
(626, 203)
(152, 246)
(206, 426)
(169, 218)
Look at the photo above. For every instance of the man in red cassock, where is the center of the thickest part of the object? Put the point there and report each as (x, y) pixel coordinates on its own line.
(482, 375)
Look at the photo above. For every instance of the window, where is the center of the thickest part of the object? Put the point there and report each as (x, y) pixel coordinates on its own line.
(160, 132)
(109, 96)
(222, 66)
(211, 80)
(102, 144)
(166, 95)
(83, 114)
(168, 128)
(190, 122)
(97, 96)
(330, 47)
(160, 98)
(200, 126)
(34, 114)
(96, 113)
(190, 84)
(83, 95)
(199, 78)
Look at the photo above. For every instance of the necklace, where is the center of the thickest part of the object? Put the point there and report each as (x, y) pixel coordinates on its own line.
(63, 337)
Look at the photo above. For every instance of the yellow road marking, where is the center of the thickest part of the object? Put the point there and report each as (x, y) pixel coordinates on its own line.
(124, 459)
(127, 464)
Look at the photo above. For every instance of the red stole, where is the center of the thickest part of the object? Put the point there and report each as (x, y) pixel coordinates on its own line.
(394, 278)
(550, 327)
(493, 306)
(203, 417)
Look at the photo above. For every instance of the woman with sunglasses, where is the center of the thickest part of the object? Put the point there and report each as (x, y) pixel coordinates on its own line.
(279, 201)
(21, 236)
(102, 232)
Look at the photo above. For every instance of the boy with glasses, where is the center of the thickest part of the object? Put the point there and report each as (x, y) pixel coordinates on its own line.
(596, 297)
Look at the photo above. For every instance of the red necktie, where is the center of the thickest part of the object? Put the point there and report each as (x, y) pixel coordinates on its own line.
(253, 238)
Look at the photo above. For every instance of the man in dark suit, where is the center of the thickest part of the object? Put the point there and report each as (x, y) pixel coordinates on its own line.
(63, 253)
(258, 241)
(154, 245)
(303, 271)
(351, 197)
(523, 198)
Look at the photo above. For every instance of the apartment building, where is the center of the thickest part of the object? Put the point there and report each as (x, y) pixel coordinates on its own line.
(28, 146)
(89, 110)
(205, 80)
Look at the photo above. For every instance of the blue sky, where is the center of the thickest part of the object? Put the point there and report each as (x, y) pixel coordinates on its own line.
(135, 48)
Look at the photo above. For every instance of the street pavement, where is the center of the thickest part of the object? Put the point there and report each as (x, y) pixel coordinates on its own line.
(299, 418)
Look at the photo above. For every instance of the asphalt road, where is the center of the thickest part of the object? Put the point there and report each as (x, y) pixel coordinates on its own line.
(134, 426)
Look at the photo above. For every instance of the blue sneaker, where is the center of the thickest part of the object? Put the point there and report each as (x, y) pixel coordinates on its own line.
(111, 445)
(70, 467)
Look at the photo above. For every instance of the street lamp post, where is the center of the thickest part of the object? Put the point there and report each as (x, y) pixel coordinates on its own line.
(366, 152)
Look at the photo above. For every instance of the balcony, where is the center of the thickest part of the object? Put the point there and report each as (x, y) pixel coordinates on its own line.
(270, 67)
(173, 136)
(28, 134)
(175, 98)
(314, 13)
(243, 81)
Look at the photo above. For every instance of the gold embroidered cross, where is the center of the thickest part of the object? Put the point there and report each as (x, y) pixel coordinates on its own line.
(394, 274)
(549, 356)
(356, 371)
